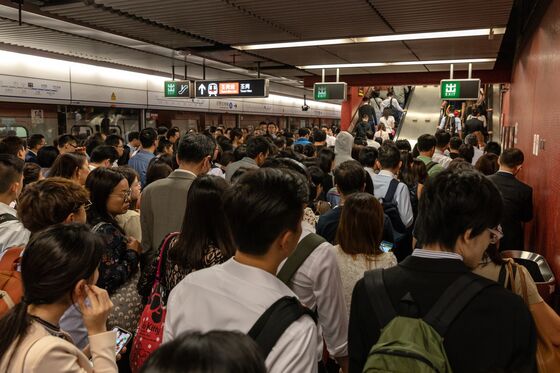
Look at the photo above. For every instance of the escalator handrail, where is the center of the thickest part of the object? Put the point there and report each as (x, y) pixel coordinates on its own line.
(403, 116)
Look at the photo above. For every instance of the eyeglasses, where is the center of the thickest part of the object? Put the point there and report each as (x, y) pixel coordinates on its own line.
(125, 195)
(496, 234)
(87, 205)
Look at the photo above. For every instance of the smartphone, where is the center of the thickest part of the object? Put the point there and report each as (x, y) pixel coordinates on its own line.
(386, 246)
(123, 337)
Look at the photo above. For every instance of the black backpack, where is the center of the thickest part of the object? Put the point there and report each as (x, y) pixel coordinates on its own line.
(268, 329)
(392, 211)
(7, 217)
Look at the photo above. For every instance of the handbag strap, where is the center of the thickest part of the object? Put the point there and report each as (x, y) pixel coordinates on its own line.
(164, 246)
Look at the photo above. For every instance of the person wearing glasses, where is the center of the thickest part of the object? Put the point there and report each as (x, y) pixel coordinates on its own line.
(68, 144)
(458, 216)
(110, 196)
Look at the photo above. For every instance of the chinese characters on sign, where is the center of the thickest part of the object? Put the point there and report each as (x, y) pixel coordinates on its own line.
(460, 89)
(231, 88)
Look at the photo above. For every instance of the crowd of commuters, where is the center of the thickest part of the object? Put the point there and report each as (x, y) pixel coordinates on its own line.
(264, 251)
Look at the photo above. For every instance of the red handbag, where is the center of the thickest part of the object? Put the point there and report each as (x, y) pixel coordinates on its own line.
(149, 334)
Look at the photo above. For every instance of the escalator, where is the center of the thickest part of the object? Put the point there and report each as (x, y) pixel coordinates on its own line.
(423, 113)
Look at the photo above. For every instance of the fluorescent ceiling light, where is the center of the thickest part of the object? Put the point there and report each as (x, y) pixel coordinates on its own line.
(377, 39)
(402, 63)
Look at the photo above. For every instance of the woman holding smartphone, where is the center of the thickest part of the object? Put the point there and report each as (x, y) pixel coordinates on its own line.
(359, 237)
(58, 269)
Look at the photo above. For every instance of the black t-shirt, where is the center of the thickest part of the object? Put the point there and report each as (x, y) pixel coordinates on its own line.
(366, 109)
(473, 125)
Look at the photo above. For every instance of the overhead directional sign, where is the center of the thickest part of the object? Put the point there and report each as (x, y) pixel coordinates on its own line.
(231, 88)
(330, 91)
(177, 88)
(460, 89)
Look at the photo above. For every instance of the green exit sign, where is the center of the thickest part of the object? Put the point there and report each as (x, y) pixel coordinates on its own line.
(177, 88)
(330, 91)
(459, 89)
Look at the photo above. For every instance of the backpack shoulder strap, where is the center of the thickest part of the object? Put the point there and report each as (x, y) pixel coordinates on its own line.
(7, 217)
(268, 329)
(378, 297)
(390, 195)
(454, 299)
(304, 248)
(430, 165)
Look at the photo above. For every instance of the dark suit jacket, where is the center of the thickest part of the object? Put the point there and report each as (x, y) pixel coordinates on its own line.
(163, 207)
(518, 208)
(31, 157)
(495, 332)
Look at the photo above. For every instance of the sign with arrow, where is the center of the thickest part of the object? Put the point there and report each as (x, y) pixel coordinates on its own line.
(231, 88)
(177, 88)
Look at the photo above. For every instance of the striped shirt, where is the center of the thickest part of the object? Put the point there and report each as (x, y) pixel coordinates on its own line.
(431, 254)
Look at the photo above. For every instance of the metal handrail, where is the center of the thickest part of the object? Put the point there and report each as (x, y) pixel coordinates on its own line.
(403, 116)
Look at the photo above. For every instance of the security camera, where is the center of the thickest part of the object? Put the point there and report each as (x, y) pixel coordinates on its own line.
(305, 107)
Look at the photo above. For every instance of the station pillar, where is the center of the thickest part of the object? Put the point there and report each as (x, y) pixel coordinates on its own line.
(349, 107)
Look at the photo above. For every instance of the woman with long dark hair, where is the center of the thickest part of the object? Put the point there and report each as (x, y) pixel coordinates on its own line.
(58, 269)
(110, 196)
(205, 238)
(73, 166)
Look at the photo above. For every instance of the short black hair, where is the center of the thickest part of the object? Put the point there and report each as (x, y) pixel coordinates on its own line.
(368, 156)
(349, 177)
(262, 205)
(194, 147)
(148, 137)
(493, 147)
(403, 144)
(319, 136)
(257, 145)
(466, 151)
(455, 142)
(236, 132)
(303, 132)
(240, 152)
(442, 138)
(173, 131)
(426, 143)
(134, 135)
(113, 140)
(65, 139)
(389, 156)
(12, 145)
(47, 155)
(11, 171)
(35, 140)
(237, 352)
(161, 130)
(512, 157)
(103, 152)
(471, 139)
(458, 200)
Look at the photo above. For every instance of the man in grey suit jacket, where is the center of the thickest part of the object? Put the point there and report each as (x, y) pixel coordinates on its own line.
(258, 149)
(164, 201)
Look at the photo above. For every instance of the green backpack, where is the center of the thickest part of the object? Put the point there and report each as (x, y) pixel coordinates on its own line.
(412, 344)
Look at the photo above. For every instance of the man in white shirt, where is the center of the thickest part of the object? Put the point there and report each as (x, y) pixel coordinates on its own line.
(389, 162)
(265, 211)
(12, 232)
(392, 101)
(330, 138)
(442, 144)
(368, 159)
(452, 124)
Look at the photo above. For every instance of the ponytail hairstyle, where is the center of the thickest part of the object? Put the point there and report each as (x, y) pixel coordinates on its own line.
(53, 262)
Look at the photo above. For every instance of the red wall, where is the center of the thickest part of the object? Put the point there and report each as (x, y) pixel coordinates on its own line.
(535, 106)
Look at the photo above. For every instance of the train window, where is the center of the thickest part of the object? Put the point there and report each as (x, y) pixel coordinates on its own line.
(14, 130)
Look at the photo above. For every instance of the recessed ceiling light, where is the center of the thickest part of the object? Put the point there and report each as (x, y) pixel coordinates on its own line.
(400, 63)
(377, 39)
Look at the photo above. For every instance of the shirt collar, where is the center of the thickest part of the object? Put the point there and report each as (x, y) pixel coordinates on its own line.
(186, 171)
(249, 160)
(505, 172)
(386, 173)
(431, 254)
(6, 209)
(255, 275)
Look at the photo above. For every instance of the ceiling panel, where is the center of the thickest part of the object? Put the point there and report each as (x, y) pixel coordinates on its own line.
(430, 15)
(462, 67)
(370, 52)
(472, 47)
(124, 25)
(320, 19)
(300, 56)
(213, 19)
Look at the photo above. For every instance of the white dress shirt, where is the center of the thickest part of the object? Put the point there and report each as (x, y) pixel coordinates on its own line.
(458, 126)
(330, 140)
(317, 283)
(477, 154)
(389, 122)
(402, 195)
(232, 296)
(373, 144)
(441, 158)
(12, 233)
